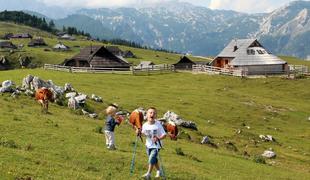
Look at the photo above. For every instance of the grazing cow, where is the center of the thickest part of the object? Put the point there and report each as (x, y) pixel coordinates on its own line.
(43, 95)
(136, 119)
(172, 129)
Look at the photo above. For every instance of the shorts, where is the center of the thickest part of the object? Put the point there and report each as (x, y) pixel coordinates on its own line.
(152, 153)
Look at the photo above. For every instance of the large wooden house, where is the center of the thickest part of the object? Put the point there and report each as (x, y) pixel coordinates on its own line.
(249, 55)
(97, 57)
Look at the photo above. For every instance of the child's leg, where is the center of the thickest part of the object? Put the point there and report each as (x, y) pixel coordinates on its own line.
(106, 134)
(152, 159)
(112, 139)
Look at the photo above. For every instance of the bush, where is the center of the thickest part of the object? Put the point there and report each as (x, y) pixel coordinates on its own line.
(61, 101)
(259, 159)
(179, 151)
(8, 143)
(98, 129)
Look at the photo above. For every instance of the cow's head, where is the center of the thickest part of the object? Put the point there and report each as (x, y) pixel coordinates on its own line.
(172, 130)
(136, 120)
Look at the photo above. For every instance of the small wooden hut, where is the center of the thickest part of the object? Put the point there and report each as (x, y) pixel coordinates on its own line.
(37, 42)
(7, 45)
(184, 64)
(115, 50)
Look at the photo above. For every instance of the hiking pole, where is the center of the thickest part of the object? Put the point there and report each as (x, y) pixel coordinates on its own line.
(159, 159)
(132, 166)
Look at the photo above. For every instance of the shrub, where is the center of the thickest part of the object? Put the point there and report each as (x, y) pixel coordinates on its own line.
(61, 101)
(98, 129)
(259, 159)
(179, 151)
(8, 143)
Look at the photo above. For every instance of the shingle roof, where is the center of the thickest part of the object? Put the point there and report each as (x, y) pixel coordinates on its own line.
(248, 52)
(100, 56)
(185, 60)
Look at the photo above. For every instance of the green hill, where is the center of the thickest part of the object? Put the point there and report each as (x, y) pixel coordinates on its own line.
(64, 145)
(41, 55)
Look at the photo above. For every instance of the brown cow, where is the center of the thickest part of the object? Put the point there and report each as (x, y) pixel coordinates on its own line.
(136, 119)
(172, 129)
(43, 95)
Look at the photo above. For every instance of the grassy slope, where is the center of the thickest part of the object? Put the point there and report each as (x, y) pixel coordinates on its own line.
(65, 145)
(40, 56)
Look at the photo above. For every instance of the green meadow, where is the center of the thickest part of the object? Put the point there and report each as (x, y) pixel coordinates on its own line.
(66, 145)
(232, 112)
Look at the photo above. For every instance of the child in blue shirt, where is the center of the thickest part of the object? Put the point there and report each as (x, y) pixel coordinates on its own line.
(110, 123)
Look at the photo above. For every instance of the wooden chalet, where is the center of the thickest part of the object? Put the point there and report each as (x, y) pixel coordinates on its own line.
(115, 50)
(37, 42)
(128, 54)
(249, 55)
(67, 37)
(7, 45)
(3, 63)
(19, 36)
(97, 57)
(184, 64)
(61, 47)
(145, 64)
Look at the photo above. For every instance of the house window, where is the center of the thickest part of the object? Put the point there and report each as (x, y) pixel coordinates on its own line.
(250, 52)
(260, 52)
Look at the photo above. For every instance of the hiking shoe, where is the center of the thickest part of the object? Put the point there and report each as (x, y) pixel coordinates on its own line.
(158, 174)
(146, 176)
(112, 147)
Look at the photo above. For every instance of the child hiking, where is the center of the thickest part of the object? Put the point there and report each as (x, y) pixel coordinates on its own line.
(154, 132)
(110, 124)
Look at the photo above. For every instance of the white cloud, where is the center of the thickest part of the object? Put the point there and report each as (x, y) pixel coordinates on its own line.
(249, 6)
(99, 3)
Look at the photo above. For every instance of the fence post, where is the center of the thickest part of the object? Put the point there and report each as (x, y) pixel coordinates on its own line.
(133, 70)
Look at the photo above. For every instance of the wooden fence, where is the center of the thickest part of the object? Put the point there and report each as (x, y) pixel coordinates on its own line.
(217, 70)
(164, 68)
(292, 69)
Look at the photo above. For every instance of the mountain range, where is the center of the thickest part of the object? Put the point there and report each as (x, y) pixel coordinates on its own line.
(186, 28)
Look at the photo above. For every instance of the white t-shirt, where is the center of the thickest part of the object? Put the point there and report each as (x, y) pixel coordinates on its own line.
(151, 130)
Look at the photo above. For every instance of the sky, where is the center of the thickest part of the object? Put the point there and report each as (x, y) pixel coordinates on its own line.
(248, 6)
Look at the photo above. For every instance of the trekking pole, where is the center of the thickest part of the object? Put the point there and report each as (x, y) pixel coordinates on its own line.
(132, 166)
(159, 159)
(161, 165)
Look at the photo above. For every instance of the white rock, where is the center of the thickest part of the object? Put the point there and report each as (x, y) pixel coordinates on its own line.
(29, 93)
(72, 103)
(27, 82)
(81, 99)
(96, 98)
(269, 138)
(71, 94)
(269, 154)
(7, 84)
(93, 115)
(85, 112)
(68, 87)
(205, 140)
